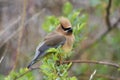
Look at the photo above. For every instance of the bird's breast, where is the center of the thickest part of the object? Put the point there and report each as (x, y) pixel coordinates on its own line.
(68, 44)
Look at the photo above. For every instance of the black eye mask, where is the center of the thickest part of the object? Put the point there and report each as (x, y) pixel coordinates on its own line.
(65, 28)
(69, 30)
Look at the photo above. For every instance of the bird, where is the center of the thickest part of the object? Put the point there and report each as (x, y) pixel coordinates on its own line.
(62, 36)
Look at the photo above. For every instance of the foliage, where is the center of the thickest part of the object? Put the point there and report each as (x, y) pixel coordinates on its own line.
(50, 23)
(52, 69)
(13, 75)
(67, 8)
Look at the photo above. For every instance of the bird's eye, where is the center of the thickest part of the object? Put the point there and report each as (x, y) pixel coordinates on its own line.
(65, 29)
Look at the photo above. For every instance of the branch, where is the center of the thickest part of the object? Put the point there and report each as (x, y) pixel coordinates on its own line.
(99, 76)
(21, 32)
(108, 14)
(116, 23)
(12, 29)
(93, 62)
(91, 77)
(1, 59)
(25, 73)
(74, 61)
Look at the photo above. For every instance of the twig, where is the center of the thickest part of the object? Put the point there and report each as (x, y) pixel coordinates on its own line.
(91, 76)
(25, 73)
(116, 23)
(12, 30)
(1, 59)
(99, 76)
(93, 62)
(21, 32)
(6, 34)
(75, 61)
(108, 14)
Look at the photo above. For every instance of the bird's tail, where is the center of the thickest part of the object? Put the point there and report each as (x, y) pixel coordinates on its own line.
(35, 59)
(31, 63)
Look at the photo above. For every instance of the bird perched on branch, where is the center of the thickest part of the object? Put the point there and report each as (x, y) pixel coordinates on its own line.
(61, 36)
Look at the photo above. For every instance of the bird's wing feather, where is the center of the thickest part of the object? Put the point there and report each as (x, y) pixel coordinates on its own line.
(50, 42)
(53, 41)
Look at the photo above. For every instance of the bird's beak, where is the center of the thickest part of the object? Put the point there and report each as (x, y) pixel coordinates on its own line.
(70, 30)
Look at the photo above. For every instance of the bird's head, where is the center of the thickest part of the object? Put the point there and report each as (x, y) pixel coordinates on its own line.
(65, 26)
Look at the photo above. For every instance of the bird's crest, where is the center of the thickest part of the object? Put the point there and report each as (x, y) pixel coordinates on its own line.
(65, 22)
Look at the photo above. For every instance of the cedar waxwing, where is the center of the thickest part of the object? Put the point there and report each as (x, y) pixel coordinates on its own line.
(61, 36)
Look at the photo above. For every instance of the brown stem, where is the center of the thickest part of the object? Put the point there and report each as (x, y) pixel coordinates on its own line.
(25, 73)
(116, 23)
(108, 14)
(93, 62)
(75, 61)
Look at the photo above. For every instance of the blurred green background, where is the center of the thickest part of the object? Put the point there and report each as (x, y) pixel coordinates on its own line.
(98, 40)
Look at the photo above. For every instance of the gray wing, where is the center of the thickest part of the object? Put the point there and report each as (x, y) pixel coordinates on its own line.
(51, 41)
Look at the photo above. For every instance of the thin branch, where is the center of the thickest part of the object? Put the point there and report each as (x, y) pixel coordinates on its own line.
(1, 59)
(93, 62)
(25, 73)
(116, 23)
(99, 76)
(74, 61)
(21, 32)
(92, 75)
(6, 34)
(108, 14)
(12, 29)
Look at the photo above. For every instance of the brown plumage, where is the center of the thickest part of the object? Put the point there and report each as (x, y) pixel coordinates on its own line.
(62, 35)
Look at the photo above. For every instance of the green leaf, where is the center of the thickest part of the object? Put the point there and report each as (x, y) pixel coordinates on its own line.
(51, 50)
(73, 78)
(67, 8)
(50, 23)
